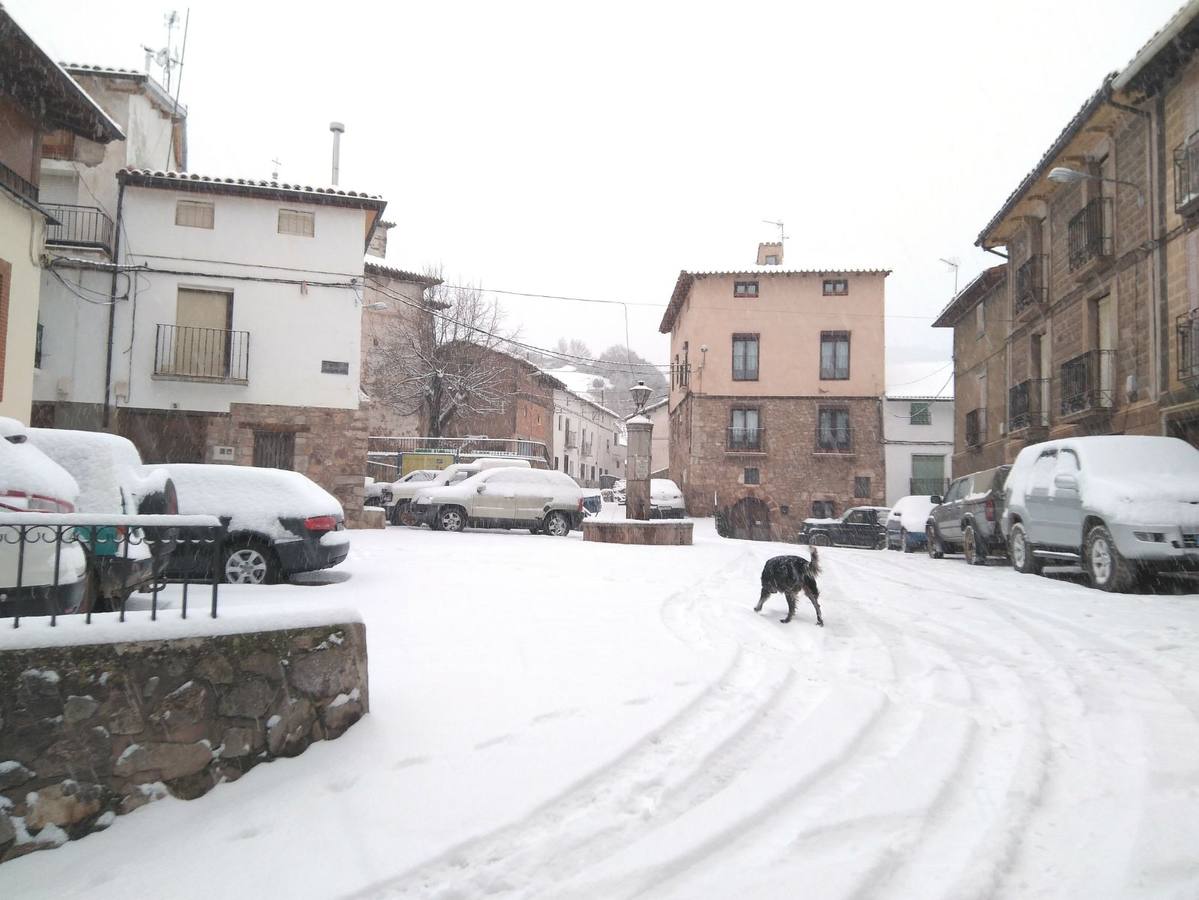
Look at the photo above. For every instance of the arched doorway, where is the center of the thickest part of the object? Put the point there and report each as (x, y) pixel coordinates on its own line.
(749, 519)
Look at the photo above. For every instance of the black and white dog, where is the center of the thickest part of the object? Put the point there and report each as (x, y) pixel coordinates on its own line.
(788, 575)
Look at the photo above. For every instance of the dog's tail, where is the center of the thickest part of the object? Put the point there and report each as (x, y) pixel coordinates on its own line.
(814, 563)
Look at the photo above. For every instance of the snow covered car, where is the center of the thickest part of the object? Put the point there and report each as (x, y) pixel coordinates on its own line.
(32, 482)
(1121, 506)
(280, 523)
(665, 500)
(397, 494)
(905, 525)
(593, 501)
(619, 491)
(537, 499)
(113, 481)
(861, 526)
(967, 518)
(404, 492)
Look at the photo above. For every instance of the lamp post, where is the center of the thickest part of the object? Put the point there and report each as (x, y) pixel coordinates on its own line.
(640, 430)
(1064, 175)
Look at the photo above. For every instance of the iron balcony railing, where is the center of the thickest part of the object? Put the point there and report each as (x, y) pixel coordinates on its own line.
(1026, 404)
(1186, 176)
(976, 427)
(834, 440)
(14, 182)
(79, 226)
(745, 440)
(1087, 381)
(1188, 347)
(1030, 283)
(928, 487)
(572, 440)
(186, 352)
(1089, 235)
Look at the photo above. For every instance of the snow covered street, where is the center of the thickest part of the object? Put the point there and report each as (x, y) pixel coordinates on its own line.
(553, 718)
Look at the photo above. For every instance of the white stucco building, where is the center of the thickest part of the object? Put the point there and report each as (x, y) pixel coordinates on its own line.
(918, 444)
(588, 439)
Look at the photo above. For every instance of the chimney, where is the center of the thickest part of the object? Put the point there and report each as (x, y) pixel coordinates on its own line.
(378, 244)
(770, 254)
(338, 130)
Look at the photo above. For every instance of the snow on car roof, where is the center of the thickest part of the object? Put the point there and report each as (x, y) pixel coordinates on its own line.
(24, 469)
(106, 466)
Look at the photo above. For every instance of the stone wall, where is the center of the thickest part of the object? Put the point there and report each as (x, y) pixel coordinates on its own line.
(93, 731)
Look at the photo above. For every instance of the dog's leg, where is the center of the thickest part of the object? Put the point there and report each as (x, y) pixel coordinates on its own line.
(790, 607)
(762, 600)
(813, 594)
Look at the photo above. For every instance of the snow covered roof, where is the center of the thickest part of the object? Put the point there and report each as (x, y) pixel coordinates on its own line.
(1169, 47)
(579, 382)
(686, 278)
(582, 399)
(376, 267)
(191, 181)
(41, 87)
(969, 295)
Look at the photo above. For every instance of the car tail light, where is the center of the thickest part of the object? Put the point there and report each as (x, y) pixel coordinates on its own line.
(580, 509)
(22, 502)
(321, 523)
(989, 509)
(172, 498)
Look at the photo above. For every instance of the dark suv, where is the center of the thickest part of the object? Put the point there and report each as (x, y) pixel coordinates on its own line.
(862, 526)
(967, 518)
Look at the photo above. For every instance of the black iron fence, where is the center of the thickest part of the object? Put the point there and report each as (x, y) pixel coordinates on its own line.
(211, 354)
(747, 439)
(1089, 234)
(1086, 382)
(54, 564)
(79, 226)
(1186, 176)
(1030, 283)
(14, 182)
(1188, 347)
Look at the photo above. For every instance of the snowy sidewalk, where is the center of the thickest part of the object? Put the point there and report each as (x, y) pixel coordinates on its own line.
(560, 719)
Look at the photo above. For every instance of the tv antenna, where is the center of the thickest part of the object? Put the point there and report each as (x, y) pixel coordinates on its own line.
(779, 225)
(164, 58)
(275, 172)
(953, 264)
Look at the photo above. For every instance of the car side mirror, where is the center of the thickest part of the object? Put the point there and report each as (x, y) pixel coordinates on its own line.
(1065, 482)
(936, 499)
(480, 489)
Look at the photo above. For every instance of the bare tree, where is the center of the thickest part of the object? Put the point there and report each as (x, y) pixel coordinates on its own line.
(437, 360)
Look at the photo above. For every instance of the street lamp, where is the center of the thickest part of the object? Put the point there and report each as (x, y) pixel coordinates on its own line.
(1064, 175)
(640, 393)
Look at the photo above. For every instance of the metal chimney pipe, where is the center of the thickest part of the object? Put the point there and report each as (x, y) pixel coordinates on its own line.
(338, 130)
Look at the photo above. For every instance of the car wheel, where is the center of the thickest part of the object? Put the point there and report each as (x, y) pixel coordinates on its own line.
(1020, 551)
(452, 518)
(972, 548)
(905, 541)
(819, 540)
(406, 516)
(250, 564)
(881, 543)
(557, 525)
(932, 543)
(1105, 567)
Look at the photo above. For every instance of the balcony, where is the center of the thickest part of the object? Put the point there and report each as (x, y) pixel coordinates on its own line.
(976, 428)
(1030, 284)
(834, 440)
(79, 226)
(188, 353)
(12, 182)
(1087, 383)
(928, 487)
(1188, 348)
(1089, 235)
(745, 440)
(1186, 176)
(1028, 405)
(572, 440)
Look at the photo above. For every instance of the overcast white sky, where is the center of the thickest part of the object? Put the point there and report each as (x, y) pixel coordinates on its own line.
(595, 150)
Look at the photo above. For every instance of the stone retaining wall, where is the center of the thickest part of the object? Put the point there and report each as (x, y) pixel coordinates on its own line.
(631, 531)
(93, 731)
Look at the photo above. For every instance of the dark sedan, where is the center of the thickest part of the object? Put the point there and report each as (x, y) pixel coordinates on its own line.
(862, 526)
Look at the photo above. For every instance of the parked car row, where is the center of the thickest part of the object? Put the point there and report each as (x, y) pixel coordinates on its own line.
(278, 522)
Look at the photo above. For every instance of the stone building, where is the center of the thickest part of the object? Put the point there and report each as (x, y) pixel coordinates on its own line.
(1093, 326)
(775, 399)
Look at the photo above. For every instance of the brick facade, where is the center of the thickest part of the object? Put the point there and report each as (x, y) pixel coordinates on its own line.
(792, 474)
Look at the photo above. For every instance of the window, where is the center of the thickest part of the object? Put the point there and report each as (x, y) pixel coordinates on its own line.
(772, 259)
(297, 221)
(274, 449)
(861, 486)
(745, 357)
(559, 428)
(834, 355)
(823, 509)
(37, 346)
(833, 433)
(859, 517)
(745, 289)
(919, 414)
(198, 344)
(753, 476)
(980, 320)
(744, 433)
(194, 213)
(593, 473)
(555, 464)
(334, 367)
(836, 287)
(928, 475)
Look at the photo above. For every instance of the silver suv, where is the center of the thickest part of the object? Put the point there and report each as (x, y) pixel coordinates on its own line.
(1120, 506)
(537, 499)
